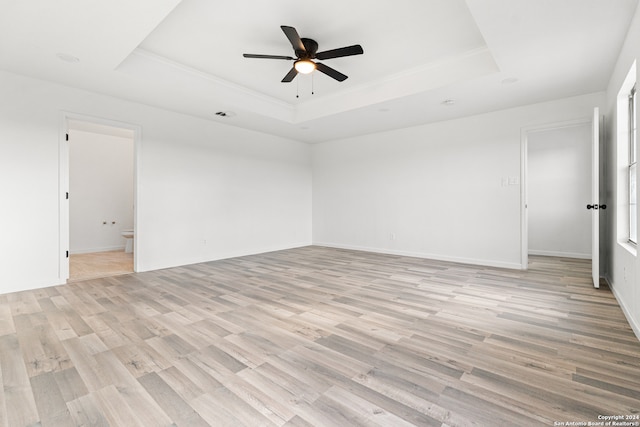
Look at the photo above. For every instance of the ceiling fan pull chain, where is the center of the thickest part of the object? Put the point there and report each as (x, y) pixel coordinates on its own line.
(312, 81)
(298, 88)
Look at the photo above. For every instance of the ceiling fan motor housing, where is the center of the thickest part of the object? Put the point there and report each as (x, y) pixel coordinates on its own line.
(311, 47)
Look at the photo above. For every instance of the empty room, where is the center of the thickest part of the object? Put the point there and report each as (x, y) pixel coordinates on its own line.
(355, 213)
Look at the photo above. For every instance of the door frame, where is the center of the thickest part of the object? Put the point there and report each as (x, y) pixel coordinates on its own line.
(524, 145)
(595, 197)
(63, 185)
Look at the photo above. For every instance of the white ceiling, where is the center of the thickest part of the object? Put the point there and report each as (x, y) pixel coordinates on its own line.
(186, 56)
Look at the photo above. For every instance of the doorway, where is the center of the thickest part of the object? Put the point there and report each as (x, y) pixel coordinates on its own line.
(557, 188)
(100, 222)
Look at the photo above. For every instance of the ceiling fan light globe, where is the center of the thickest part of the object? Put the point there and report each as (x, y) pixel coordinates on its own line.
(304, 66)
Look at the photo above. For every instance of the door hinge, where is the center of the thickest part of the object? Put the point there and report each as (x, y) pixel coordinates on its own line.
(67, 254)
(67, 195)
(67, 137)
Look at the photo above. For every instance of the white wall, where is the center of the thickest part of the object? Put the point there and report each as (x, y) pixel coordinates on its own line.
(214, 196)
(433, 191)
(101, 188)
(558, 190)
(199, 181)
(623, 269)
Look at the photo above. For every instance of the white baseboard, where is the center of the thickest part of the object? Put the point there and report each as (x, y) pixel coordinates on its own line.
(93, 250)
(29, 286)
(560, 254)
(485, 262)
(142, 267)
(635, 325)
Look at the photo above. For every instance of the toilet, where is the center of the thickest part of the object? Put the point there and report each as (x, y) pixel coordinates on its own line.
(128, 235)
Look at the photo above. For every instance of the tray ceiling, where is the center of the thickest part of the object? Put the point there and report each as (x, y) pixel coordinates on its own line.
(186, 56)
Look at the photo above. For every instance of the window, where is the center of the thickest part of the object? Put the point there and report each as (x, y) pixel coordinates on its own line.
(626, 221)
(633, 209)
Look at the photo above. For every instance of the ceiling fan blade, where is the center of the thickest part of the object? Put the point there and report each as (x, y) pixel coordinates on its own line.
(251, 55)
(334, 74)
(356, 49)
(294, 38)
(290, 75)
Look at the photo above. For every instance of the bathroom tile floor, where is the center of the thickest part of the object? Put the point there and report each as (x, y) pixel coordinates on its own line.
(99, 264)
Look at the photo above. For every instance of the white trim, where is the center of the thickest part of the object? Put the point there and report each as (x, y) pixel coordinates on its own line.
(524, 213)
(63, 203)
(94, 250)
(228, 255)
(28, 286)
(560, 254)
(402, 75)
(524, 144)
(595, 197)
(558, 125)
(622, 219)
(629, 247)
(289, 108)
(483, 262)
(635, 326)
(66, 116)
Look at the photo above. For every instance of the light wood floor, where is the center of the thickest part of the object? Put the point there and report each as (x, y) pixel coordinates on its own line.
(319, 337)
(99, 264)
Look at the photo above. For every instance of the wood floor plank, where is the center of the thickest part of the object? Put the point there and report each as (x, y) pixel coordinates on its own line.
(264, 402)
(4, 418)
(60, 324)
(113, 406)
(277, 396)
(131, 391)
(49, 401)
(363, 411)
(320, 336)
(19, 400)
(141, 359)
(86, 365)
(85, 411)
(170, 402)
(477, 407)
(102, 328)
(211, 408)
(70, 384)
(6, 320)
(23, 303)
(290, 387)
(180, 384)
(411, 395)
(198, 376)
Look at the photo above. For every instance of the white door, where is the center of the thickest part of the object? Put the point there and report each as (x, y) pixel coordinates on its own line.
(595, 199)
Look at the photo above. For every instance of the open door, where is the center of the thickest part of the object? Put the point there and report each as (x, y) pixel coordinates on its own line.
(99, 126)
(595, 198)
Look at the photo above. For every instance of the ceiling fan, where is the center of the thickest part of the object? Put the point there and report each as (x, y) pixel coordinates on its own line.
(306, 50)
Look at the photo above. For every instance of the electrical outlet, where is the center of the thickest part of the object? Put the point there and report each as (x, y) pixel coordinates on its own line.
(393, 236)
